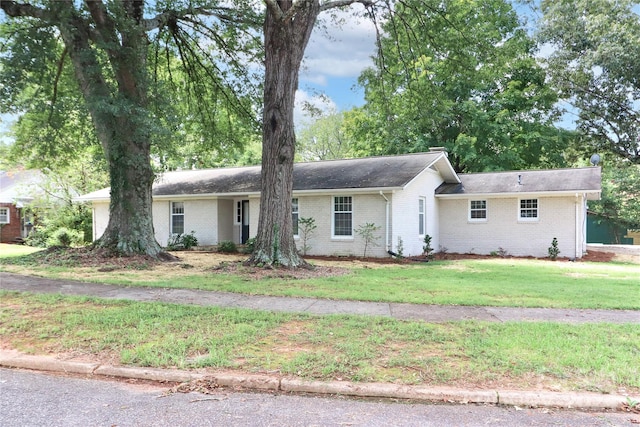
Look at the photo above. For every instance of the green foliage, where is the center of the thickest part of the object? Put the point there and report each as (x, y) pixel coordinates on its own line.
(306, 228)
(427, 250)
(620, 198)
(65, 237)
(250, 245)
(227, 246)
(400, 248)
(367, 232)
(185, 242)
(594, 64)
(324, 139)
(463, 75)
(553, 250)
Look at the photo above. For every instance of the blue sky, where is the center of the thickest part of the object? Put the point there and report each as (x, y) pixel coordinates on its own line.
(334, 59)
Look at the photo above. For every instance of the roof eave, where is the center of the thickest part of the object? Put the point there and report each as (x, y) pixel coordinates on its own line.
(521, 194)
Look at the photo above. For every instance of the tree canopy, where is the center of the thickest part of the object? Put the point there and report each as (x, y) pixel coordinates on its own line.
(594, 65)
(463, 75)
(144, 74)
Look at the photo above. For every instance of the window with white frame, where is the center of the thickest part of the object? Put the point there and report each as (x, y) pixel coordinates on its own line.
(528, 210)
(4, 215)
(477, 210)
(294, 215)
(422, 207)
(238, 212)
(177, 218)
(342, 221)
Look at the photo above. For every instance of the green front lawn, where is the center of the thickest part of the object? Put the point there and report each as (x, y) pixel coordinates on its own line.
(531, 355)
(485, 282)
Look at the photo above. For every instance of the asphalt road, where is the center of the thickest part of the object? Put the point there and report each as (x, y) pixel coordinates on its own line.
(38, 399)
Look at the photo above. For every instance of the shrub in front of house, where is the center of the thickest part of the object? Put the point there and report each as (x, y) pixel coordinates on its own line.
(227, 247)
(65, 237)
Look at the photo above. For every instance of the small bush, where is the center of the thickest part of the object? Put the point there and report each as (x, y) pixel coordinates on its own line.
(306, 228)
(553, 249)
(227, 247)
(250, 245)
(179, 242)
(37, 238)
(65, 237)
(400, 248)
(368, 233)
(427, 250)
(189, 240)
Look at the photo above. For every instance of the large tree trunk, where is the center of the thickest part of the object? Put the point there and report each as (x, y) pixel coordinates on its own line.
(130, 228)
(286, 33)
(120, 116)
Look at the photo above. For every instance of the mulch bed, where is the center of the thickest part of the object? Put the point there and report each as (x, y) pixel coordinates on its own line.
(106, 261)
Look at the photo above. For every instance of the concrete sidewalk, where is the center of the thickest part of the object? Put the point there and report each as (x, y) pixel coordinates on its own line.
(428, 313)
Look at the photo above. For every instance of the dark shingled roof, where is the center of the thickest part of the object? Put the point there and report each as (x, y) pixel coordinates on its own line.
(370, 172)
(533, 181)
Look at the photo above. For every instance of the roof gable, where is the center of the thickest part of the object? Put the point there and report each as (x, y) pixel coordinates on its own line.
(534, 181)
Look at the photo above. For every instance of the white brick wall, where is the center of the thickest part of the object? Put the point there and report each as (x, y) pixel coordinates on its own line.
(366, 209)
(201, 216)
(502, 229)
(226, 217)
(161, 211)
(405, 213)
(100, 219)
(447, 222)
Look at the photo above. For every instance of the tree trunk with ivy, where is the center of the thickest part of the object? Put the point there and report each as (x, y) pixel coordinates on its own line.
(116, 97)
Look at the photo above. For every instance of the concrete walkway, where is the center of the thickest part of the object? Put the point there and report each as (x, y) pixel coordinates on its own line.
(428, 313)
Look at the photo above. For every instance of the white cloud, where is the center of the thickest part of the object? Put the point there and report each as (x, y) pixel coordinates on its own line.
(339, 50)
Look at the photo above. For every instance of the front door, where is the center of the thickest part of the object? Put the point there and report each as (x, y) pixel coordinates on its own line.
(245, 221)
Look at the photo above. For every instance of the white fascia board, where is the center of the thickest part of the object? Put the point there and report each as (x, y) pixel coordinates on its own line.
(205, 196)
(425, 170)
(334, 191)
(444, 159)
(571, 193)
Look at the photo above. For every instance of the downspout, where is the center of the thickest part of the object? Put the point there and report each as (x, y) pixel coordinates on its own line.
(386, 231)
(578, 237)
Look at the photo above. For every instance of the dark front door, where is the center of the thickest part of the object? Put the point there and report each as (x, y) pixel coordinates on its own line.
(245, 221)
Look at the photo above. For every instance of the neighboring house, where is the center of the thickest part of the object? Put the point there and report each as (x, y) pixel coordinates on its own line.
(17, 189)
(407, 196)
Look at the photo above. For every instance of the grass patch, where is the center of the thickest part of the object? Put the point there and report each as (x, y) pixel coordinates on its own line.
(12, 251)
(595, 357)
(486, 282)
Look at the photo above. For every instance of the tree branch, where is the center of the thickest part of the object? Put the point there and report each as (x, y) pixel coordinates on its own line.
(15, 10)
(340, 3)
(104, 24)
(274, 7)
(165, 18)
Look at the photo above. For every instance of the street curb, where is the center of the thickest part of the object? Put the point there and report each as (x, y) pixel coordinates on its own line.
(15, 359)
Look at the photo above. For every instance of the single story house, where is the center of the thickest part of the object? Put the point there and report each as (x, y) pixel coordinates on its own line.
(18, 189)
(406, 196)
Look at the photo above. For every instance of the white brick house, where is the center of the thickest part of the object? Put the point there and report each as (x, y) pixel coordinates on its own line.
(407, 196)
